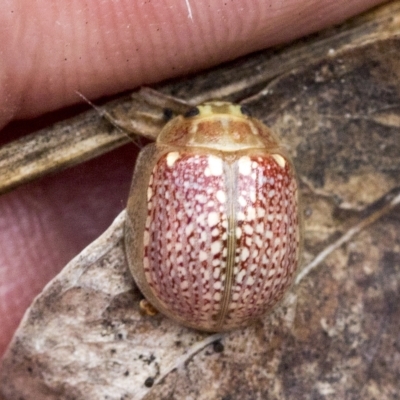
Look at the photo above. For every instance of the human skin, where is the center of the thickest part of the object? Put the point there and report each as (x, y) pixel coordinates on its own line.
(50, 50)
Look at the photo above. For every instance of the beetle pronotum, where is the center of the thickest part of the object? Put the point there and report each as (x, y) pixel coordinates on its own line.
(213, 227)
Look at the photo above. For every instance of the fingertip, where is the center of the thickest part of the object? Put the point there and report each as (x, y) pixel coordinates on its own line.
(107, 47)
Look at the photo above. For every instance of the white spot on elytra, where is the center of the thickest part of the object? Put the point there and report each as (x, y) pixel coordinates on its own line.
(238, 232)
(201, 219)
(260, 212)
(259, 242)
(149, 193)
(184, 285)
(201, 198)
(221, 196)
(217, 285)
(251, 213)
(146, 238)
(268, 234)
(271, 272)
(217, 296)
(148, 222)
(279, 160)
(242, 201)
(171, 158)
(203, 256)
(260, 227)
(212, 219)
(240, 276)
(235, 296)
(245, 254)
(244, 165)
(248, 229)
(250, 280)
(215, 166)
(189, 229)
(215, 247)
(216, 262)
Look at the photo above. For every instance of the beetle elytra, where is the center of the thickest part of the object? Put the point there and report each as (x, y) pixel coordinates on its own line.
(213, 226)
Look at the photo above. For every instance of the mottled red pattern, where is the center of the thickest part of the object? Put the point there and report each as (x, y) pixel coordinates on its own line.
(270, 235)
(186, 236)
(179, 232)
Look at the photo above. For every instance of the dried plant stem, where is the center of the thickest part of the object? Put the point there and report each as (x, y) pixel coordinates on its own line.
(390, 201)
